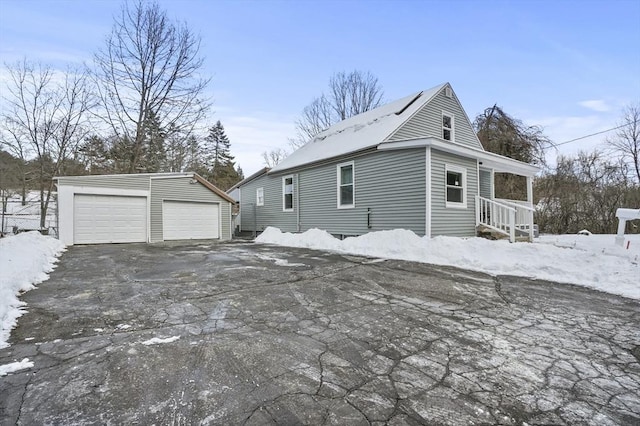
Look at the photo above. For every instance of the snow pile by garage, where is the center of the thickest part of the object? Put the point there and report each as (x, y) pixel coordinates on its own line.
(25, 260)
(589, 260)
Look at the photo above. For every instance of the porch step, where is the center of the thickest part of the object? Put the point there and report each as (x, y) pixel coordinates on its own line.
(492, 234)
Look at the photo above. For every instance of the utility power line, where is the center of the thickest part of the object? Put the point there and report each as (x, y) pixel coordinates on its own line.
(588, 136)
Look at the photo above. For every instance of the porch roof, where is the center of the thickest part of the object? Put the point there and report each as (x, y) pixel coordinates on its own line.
(486, 159)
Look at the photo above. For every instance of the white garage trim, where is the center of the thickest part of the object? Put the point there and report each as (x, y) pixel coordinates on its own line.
(66, 196)
(190, 220)
(100, 218)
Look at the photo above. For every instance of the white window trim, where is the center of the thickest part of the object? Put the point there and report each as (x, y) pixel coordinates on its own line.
(338, 176)
(463, 171)
(260, 194)
(453, 125)
(293, 193)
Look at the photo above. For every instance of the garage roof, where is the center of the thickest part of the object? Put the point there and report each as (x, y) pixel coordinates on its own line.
(211, 187)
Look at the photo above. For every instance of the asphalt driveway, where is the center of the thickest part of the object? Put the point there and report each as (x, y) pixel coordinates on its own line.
(240, 333)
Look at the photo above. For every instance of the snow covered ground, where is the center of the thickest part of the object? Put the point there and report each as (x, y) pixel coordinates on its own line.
(28, 216)
(25, 260)
(589, 260)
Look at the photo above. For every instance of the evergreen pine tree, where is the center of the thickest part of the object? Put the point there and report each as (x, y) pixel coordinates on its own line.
(219, 161)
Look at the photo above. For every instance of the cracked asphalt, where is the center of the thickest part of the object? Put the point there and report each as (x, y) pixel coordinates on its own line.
(254, 334)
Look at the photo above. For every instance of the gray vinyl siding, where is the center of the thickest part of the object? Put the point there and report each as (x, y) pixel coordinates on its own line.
(180, 189)
(451, 221)
(427, 122)
(391, 184)
(270, 214)
(485, 183)
(115, 181)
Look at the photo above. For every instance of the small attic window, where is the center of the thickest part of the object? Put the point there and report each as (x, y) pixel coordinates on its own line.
(448, 92)
(447, 126)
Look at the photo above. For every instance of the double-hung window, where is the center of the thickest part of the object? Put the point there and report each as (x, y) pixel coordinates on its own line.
(287, 193)
(260, 197)
(456, 187)
(447, 126)
(346, 185)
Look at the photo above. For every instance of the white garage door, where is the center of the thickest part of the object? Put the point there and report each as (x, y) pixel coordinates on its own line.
(109, 219)
(189, 221)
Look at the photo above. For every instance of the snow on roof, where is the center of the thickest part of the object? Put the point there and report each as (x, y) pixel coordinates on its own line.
(359, 132)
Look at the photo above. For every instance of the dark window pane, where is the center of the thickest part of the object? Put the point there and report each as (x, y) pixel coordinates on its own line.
(454, 195)
(346, 195)
(446, 121)
(454, 179)
(446, 134)
(346, 175)
(288, 201)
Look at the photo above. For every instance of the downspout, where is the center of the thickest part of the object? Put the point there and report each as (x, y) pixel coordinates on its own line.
(427, 200)
(297, 195)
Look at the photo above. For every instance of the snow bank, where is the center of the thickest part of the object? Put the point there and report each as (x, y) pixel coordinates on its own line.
(589, 260)
(25, 260)
(159, 340)
(15, 366)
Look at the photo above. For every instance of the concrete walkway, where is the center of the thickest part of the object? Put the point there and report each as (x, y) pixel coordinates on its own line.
(239, 333)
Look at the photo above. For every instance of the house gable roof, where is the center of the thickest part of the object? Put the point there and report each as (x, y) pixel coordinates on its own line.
(359, 132)
(245, 181)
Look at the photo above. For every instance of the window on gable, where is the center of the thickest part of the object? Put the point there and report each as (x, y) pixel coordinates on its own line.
(287, 193)
(447, 126)
(346, 186)
(456, 187)
(260, 197)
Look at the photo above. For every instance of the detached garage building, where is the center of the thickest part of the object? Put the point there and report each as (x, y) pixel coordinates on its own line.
(134, 208)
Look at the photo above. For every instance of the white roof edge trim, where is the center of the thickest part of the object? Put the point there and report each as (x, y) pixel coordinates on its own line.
(173, 177)
(167, 174)
(489, 159)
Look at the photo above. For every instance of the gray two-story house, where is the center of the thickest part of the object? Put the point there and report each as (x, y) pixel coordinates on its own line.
(414, 163)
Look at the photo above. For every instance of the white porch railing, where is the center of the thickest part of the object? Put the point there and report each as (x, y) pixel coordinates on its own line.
(505, 216)
(524, 215)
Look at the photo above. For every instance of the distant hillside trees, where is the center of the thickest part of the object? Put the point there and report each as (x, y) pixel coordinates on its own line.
(165, 151)
(583, 192)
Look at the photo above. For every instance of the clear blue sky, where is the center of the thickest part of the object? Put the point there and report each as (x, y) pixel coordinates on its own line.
(569, 66)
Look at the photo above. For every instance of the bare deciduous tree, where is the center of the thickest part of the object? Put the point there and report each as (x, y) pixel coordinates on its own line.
(273, 157)
(626, 142)
(149, 68)
(45, 119)
(349, 94)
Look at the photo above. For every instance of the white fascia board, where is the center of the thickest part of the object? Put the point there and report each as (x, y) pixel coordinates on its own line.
(167, 174)
(488, 159)
(182, 176)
